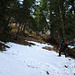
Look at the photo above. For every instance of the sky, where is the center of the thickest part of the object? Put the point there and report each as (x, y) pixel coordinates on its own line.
(21, 1)
(36, 3)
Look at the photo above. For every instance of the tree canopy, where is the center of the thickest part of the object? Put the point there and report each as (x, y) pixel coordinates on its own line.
(40, 16)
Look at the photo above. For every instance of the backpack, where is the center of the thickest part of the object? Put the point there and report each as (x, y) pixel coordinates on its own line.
(65, 45)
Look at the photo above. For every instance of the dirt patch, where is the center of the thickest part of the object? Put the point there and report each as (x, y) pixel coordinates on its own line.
(29, 37)
(47, 48)
(22, 37)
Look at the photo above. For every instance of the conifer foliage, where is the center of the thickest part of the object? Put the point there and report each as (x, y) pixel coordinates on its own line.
(40, 16)
(4, 19)
(62, 14)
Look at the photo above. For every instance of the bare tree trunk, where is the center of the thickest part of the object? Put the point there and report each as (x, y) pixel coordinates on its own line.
(16, 24)
(58, 38)
(24, 27)
(21, 27)
(63, 24)
(17, 32)
(37, 33)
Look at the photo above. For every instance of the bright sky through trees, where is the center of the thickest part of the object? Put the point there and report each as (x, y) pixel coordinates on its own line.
(21, 1)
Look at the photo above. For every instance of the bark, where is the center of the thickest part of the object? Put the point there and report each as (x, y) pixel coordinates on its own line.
(37, 33)
(16, 24)
(63, 24)
(21, 27)
(17, 32)
(58, 39)
(24, 27)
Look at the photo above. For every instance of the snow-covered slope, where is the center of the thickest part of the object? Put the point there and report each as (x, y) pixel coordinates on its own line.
(25, 60)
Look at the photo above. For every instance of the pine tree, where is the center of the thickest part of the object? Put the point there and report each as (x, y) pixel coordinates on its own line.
(4, 20)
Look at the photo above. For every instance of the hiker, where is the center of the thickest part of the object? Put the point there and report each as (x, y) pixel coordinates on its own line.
(63, 47)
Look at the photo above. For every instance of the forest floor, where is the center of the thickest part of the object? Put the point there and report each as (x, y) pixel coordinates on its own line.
(42, 38)
(29, 37)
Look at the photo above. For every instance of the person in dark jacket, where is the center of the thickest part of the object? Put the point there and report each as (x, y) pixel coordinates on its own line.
(62, 48)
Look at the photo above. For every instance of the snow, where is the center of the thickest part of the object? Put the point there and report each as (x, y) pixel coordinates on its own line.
(71, 46)
(25, 60)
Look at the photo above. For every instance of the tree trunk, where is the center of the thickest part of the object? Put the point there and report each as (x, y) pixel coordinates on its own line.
(58, 39)
(17, 32)
(63, 24)
(21, 27)
(37, 33)
(24, 27)
(16, 24)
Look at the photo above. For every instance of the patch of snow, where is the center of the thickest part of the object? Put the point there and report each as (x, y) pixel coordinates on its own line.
(71, 46)
(25, 60)
(40, 44)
